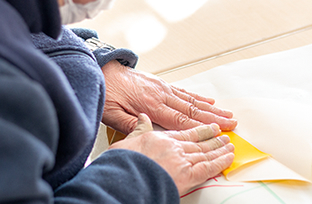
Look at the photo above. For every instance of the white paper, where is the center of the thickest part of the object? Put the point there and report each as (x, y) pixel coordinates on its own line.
(267, 169)
(271, 96)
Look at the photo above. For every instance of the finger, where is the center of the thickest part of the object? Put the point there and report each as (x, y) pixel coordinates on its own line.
(195, 158)
(144, 125)
(122, 121)
(205, 170)
(197, 134)
(192, 112)
(206, 132)
(172, 119)
(202, 104)
(196, 96)
(206, 146)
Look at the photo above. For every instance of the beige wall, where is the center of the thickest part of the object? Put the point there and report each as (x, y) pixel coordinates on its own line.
(171, 35)
(176, 39)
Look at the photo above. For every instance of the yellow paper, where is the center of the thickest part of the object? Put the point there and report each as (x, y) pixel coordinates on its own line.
(244, 152)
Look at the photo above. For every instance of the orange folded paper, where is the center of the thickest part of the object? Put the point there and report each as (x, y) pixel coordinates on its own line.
(244, 152)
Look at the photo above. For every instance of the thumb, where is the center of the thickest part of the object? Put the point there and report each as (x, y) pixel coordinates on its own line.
(144, 125)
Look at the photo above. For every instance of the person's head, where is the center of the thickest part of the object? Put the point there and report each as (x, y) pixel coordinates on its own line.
(73, 11)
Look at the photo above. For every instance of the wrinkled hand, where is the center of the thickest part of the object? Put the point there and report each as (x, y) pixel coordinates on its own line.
(189, 156)
(129, 92)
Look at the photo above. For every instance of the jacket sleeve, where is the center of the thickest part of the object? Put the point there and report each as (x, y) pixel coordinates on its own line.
(28, 143)
(120, 176)
(28, 138)
(107, 53)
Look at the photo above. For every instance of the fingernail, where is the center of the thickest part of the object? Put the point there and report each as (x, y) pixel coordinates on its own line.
(229, 125)
(142, 116)
(229, 147)
(216, 128)
(224, 139)
(230, 157)
(234, 121)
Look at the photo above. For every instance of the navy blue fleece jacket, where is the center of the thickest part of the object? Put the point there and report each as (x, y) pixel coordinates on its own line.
(50, 110)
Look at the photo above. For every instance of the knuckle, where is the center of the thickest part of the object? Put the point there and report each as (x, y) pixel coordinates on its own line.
(213, 109)
(212, 155)
(216, 143)
(181, 119)
(211, 144)
(181, 89)
(200, 148)
(179, 135)
(191, 100)
(184, 136)
(193, 111)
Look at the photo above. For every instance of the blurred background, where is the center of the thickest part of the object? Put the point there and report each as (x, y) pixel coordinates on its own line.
(176, 39)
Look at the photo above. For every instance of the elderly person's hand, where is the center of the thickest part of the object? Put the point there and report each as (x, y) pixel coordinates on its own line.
(190, 156)
(130, 92)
